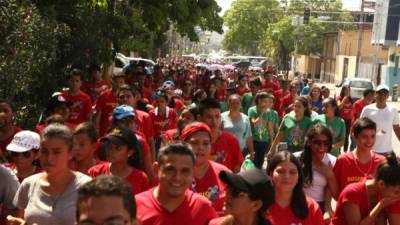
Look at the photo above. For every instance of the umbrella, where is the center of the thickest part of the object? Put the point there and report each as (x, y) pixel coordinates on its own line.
(242, 64)
(201, 65)
(229, 67)
(215, 67)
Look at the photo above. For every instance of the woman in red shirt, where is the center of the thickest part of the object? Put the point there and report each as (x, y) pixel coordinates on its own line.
(291, 205)
(345, 103)
(370, 201)
(123, 154)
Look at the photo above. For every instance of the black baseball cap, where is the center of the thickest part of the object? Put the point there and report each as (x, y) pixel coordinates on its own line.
(255, 182)
(121, 136)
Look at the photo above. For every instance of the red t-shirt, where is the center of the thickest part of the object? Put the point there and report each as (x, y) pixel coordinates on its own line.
(211, 187)
(221, 94)
(137, 179)
(178, 104)
(90, 86)
(286, 102)
(242, 91)
(226, 150)
(145, 123)
(346, 110)
(355, 193)
(5, 142)
(162, 123)
(73, 166)
(269, 86)
(145, 145)
(358, 106)
(80, 108)
(147, 94)
(105, 105)
(284, 216)
(349, 170)
(194, 210)
(172, 135)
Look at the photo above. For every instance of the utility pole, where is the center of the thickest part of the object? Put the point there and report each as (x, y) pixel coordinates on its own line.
(360, 39)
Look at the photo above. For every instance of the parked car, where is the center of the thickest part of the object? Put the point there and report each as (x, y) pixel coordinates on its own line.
(357, 86)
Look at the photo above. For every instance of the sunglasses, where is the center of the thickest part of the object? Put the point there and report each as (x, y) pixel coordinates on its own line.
(25, 154)
(320, 143)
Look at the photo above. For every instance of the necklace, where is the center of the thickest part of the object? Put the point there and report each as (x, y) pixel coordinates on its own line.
(359, 169)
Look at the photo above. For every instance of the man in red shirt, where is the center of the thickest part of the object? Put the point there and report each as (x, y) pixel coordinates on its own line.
(95, 85)
(131, 96)
(225, 146)
(206, 172)
(268, 84)
(171, 202)
(106, 103)
(80, 108)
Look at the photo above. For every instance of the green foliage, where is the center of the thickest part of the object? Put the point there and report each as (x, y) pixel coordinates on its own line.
(279, 40)
(41, 38)
(265, 27)
(248, 20)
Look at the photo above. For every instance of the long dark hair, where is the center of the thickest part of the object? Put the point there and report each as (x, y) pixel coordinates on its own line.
(342, 93)
(306, 155)
(334, 104)
(298, 203)
(304, 102)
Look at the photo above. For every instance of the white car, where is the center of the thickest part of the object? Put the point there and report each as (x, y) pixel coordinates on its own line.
(357, 86)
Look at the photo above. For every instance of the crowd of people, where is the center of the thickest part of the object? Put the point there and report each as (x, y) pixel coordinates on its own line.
(182, 144)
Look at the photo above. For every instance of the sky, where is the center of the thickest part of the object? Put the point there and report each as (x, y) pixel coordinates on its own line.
(351, 5)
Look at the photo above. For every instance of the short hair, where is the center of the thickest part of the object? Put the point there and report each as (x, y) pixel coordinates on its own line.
(208, 103)
(75, 72)
(7, 102)
(361, 124)
(259, 96)
(256, 81)
(108, 185)
(88, 129)
(367, 92)
(57, 130)
(176, 148)
(94, 67)
(125, 87)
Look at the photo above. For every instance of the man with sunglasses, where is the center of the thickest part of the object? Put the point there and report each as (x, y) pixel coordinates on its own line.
(106, 200)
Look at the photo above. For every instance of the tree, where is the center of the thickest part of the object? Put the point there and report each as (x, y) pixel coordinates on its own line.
(40, 39)
(248, 20)
(279, 40)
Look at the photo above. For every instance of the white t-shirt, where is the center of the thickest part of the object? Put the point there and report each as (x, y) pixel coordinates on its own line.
(385, 119)
(241, 129)
(316, 189)
(45, 209)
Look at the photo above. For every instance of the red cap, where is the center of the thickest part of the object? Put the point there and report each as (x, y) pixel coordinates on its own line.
(192, 128)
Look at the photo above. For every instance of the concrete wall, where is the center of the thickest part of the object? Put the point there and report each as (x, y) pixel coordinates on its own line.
(351, 68)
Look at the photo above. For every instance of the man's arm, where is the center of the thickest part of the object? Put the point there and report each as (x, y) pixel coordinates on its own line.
(396, 129)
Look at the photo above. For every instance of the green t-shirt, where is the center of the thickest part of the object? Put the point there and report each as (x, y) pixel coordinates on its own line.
(294, 130)
(247, 102)
(337, 126)
(273, 117)
(260, 132)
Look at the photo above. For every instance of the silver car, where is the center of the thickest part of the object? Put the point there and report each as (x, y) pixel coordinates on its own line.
(357, 86)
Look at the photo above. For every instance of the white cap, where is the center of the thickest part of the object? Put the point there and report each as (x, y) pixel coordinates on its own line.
(382, 87)
(24, 141)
